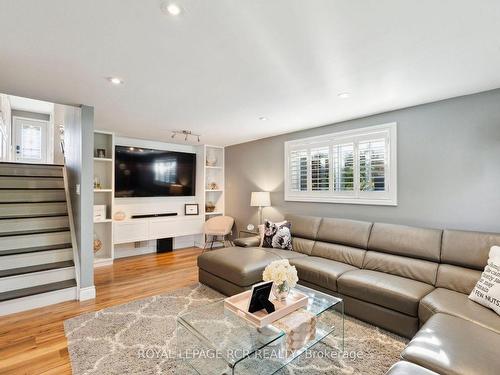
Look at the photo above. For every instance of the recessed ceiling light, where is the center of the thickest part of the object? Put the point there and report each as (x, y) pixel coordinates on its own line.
(344, 95)
(170, 8)
(115, 80)
(263, 118)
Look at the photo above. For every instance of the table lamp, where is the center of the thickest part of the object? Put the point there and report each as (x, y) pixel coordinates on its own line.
(260, 199)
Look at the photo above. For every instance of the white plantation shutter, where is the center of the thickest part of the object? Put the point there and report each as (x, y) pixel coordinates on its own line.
(372, 157)
(320, 169)
(298, 170)
(343, 167)
(355, 166)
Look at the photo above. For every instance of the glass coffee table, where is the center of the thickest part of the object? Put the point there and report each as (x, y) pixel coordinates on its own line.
(214, 340)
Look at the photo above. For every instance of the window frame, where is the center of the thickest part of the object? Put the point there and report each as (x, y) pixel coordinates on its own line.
(386, 198)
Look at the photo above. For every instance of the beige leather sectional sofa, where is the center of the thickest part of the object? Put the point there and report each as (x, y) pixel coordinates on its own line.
(408, 280)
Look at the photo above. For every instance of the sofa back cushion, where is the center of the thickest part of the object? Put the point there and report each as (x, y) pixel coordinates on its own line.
(304, 226)
(411, 268)
(459, 279)
(406, 241)
(467, 249)
(340, 253)
(345, 232)
(302, 245)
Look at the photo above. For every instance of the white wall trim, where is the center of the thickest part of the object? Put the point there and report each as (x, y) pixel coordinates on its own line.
(86, 293)
(37, 300)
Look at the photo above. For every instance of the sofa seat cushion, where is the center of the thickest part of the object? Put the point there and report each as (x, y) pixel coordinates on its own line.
(242, 266)
(449, 345)
(457, 304)
(320, 271)
(408, 368)
(390, 291)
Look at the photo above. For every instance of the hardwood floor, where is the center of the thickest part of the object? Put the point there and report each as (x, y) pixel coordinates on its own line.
(33, 342)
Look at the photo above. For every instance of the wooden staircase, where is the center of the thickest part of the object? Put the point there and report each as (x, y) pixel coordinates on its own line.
(36, 252)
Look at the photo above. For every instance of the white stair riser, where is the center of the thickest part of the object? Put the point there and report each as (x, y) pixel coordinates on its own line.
(32, 196)
(34, 240)
(38, 300)
(8, 262)
(31, 183)
(27, 209)
(30, 170)
(36, 278)
(41, 223)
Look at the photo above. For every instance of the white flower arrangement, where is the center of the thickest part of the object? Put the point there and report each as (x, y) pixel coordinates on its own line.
(280, 271)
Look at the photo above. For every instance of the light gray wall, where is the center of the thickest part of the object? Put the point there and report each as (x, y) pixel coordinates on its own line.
(448, 168)
(79, 145)
(58, 121)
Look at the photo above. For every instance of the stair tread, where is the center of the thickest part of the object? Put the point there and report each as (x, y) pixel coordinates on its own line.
(13, 294)
(39, 165)
(36, 268)
(32, 216)
(34, 202)
(33, 231)
(35, 249)
(31, 188)
(28, 176)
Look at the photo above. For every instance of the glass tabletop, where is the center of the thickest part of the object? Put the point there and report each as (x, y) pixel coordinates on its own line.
(233, 337)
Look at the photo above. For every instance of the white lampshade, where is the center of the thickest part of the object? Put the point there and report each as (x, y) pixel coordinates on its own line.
(260, 199)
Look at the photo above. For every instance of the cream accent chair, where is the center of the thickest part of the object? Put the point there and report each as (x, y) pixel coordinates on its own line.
(218, 226)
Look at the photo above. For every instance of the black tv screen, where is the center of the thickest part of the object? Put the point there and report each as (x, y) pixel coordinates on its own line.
(142, 172)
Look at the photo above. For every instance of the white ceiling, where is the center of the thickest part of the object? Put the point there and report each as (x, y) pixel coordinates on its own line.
(222, 64)
(31, 105)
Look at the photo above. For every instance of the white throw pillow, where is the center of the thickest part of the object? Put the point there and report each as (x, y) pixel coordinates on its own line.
(487, 290)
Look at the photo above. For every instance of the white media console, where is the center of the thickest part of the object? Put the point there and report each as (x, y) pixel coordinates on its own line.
(137, 236)
(145, 229)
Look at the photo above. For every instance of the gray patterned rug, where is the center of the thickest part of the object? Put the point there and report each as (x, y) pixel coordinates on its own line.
(139, 338)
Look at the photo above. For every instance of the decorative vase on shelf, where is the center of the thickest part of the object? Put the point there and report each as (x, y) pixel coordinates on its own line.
(281, 291)
(97, 243)
(211, 161)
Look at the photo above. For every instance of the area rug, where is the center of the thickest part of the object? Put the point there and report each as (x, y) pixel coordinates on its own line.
(134, 338)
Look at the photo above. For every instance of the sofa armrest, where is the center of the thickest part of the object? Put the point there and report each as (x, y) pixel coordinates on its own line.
(253, 241)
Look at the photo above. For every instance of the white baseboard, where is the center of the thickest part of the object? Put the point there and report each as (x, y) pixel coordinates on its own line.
(87, 293)
(38, 300)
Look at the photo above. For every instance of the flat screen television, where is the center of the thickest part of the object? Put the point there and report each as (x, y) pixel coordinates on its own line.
(143, 172)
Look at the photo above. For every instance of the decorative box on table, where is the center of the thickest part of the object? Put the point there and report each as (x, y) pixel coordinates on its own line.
(289, 316)
(300, 328)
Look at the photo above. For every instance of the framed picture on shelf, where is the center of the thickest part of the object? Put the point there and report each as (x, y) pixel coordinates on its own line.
(191, 209)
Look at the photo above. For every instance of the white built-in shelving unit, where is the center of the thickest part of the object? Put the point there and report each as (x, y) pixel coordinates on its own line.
(104, 173)
(214, 174)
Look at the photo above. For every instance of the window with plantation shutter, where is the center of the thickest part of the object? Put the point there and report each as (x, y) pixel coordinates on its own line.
(356, 166)
(320, 169)
(372, 155)
(298, 170)
(343, 167)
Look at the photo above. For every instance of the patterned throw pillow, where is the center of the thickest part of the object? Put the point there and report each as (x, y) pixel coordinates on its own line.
(277, 235)
(487, 290)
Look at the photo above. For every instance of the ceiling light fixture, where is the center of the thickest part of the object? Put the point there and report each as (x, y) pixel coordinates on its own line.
(170, 8)
(344, 95)
(263, 118)
(115, 80)
(186, 134)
